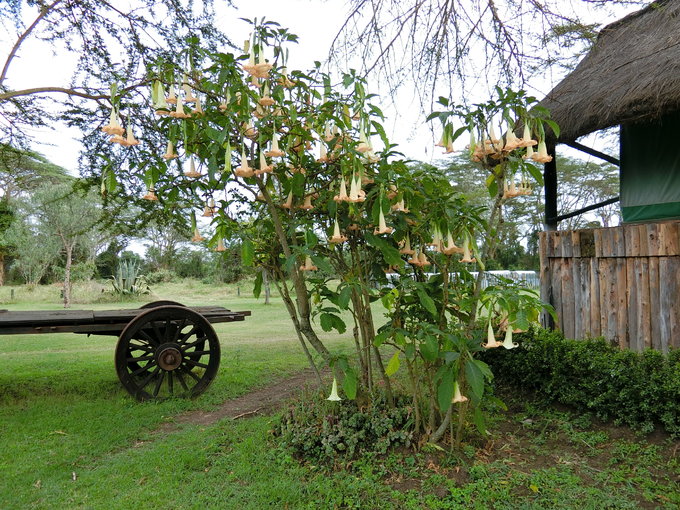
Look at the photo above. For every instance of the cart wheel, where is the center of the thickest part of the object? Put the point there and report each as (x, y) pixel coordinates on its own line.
(167, 351)
(162, 302)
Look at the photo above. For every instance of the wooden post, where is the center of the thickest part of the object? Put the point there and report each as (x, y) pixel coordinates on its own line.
(550, 188)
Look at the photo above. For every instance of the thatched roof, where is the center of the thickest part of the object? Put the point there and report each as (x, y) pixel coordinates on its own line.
(631, 74)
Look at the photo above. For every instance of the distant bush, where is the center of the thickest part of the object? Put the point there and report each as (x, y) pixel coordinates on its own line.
(161, 276)
(318, 429)
(640, 390)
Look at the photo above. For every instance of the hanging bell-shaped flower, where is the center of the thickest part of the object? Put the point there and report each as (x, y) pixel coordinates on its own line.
(288, 204)
(382, 226)
(507, 342)
(244, 170)
(192, 173)
(308, 265)
(458, 397)
(172, 98)
(450, 247)
(342, 194)
(542, 155)
(337, 236)
(334, 397)
(467, 256)
(307, 205)
(274, 152)
(170, 152)
(220, 245)
(406, 248)
(265, 168)
(490, 339)
(151, 194)
(526, 140)
(197, 238)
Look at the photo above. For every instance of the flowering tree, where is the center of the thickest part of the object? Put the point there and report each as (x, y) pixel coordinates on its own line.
(286, 162)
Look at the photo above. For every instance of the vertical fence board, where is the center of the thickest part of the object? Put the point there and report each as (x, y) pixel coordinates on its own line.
(665, 302)
(595, 302)
(655, 310)
(620, 305)
(632, 304)
(672, 284)
(567, 298)
(644, 339)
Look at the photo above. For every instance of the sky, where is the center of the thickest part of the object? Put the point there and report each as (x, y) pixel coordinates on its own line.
(315, 22)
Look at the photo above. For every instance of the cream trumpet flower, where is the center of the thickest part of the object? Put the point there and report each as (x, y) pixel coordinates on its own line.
(507, 342)
(458, 398)
(328, 132)
(337, 236)
(172, 98)
(151, 194)
(113, 127)
(392, 192)
(274, 152)
(450, 247)
(158, 96)
(371, 157)
(510, 191)
(249, 130)
(422, 259)
(436, 240)
(526, 140)
(170, 152)
(363, 146)
(265, 168)
(244, 170)
(284, 80)
(356, 194)
(179, 110)
(198, 108)
(227, 159)
(192, 173)
(308, 265)
(262, 67)
(491, 342)
(265, 100)
(120, 140)
(307, 205)
(467, 256)
(342, 194)
(542, 155)
(224, 104)
(323, 154)
(406, 247)
(400, 207)
(250, 50)
(334, 397)
(382, 226)
(415, 258)
(197, 238)
(220, 245)
(209, 209)
(511, 141)
(529, 154)
(288, 204)
(130, 139)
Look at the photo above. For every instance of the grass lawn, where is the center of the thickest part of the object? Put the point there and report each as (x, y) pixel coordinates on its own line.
(73, 438)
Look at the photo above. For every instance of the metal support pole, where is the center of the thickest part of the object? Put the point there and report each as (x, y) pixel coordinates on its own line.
(550, 187)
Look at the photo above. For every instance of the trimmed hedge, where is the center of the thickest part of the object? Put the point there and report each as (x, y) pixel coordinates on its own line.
(638, 390)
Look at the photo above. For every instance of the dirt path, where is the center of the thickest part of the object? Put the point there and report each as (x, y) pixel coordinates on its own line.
(262, 401)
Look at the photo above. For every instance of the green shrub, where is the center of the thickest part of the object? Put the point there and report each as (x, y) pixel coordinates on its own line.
(315, 428)
(161, 276)
(640, 390)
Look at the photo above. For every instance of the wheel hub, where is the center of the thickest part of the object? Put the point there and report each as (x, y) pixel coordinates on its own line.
(169, 357)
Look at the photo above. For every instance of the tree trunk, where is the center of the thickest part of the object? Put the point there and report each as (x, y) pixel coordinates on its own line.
(2, 269)
(67, 276)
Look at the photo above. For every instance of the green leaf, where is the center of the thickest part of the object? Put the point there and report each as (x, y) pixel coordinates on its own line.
(445, 390)
(322, 264)
(429, 348)
(478, 419)
(451, 356)
(553, 125)
(393, 365)
(483, 368)
(257, 287)
(350, 384)
(326, 320)
(389, 252)
(344, 297)
(298, 185)
(492, 185)
(247, 252)
(380, 338)
(535, 173)
(475, 379)
(427, 302)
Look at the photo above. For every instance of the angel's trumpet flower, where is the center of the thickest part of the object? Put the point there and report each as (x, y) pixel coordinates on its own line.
(342, 194)
(337, 237)
(458, 398)
(308, 265)
(192, 173)
(507, 342)
(490, 339)
(334, 397)
(170, 152)
(382, 226)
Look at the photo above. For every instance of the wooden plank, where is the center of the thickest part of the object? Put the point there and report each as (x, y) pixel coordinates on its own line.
(577, 296)
(620, 305)
(606, 242)
(582, 288)
(567, 245)
(644, 313)
(632, 240)
(674, 309)
(40, 317)
(597, 240)
(652, 239)
(567, 298)
(669, 239)
(655, 302)
(666, 286)
(618, 246)
(608, 327)
(556, 288)
(632, 304)
(576, 243)
(595, 298)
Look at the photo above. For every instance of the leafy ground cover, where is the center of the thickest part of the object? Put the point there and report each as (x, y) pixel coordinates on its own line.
(72, 438)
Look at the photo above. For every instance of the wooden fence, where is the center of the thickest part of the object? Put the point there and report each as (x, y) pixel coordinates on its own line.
(622, 283)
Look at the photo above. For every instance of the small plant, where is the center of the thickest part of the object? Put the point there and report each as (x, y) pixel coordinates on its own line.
(127, 280)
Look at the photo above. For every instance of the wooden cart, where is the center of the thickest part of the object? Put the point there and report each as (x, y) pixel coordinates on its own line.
(164, 349)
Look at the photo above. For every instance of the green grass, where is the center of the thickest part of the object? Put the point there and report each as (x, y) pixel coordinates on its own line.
(62, 411)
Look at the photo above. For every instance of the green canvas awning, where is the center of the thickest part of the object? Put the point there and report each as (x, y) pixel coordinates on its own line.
(650, 170)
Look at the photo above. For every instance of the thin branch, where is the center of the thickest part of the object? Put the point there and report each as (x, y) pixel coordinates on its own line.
(44, 11)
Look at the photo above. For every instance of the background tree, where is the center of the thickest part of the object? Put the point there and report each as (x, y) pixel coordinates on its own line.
(69, 217)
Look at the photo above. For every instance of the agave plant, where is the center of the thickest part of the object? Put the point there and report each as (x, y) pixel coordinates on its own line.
(128, 281)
